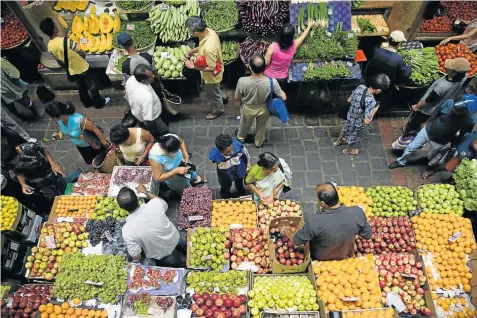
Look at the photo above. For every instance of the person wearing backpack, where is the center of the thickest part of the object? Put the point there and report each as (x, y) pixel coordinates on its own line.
(67, 52)
(361, 112)
(231, 159)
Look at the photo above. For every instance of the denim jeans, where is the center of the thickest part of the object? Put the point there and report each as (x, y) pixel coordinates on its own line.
(421, 139)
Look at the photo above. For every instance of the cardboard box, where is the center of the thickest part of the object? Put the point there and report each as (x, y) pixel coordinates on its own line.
(426, 287)
(23, 223)
(278, 268)
(309, 274)
(240, 199)
(363, 311)
(473, 280)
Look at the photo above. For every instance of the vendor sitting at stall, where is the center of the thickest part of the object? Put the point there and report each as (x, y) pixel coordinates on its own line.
(469, 37)
(332, 232)
(148, 231)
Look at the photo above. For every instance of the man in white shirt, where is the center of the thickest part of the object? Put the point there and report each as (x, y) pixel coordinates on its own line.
(145, 104)
(148, 230)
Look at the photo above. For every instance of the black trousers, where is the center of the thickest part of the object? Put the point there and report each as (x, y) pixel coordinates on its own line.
(226, 185)
(157, 127)
(415, 122)
(177, 258)
(88, 89)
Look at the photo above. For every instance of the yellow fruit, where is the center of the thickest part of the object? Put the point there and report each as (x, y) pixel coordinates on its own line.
(92, 10)
(117, 22)
(82, 5)
(86, 23)
(94, 24)
(109, 42)
(106, 23)
(102, 46)
(77, 25)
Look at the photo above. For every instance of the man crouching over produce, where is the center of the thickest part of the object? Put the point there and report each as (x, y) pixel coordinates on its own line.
(148, 230)
(332, 232)
(208, 62)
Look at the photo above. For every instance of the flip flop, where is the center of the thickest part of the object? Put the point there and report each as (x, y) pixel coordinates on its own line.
(352, 152)
(426, 174)
(213, 116)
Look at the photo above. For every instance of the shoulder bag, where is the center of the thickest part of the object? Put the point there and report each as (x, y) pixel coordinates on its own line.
(90, 137)
(277, 106)
(65, 52)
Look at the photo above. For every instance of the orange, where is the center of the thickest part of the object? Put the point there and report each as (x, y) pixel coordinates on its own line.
(50, 309)
(44, 315)
(84, 312)
(78, 312)
(70, 311)
(42, 308)
(52, 315)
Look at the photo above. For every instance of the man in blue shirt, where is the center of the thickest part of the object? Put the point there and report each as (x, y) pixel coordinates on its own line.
(231, 158)
(441, 128)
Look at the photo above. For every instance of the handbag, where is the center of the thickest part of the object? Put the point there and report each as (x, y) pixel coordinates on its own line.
(65, 52)
(277, 106)
(90, 137)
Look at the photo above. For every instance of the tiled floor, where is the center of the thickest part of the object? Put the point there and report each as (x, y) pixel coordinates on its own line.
(305, 143)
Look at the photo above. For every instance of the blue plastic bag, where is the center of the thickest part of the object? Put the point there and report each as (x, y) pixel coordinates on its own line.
(277, 106)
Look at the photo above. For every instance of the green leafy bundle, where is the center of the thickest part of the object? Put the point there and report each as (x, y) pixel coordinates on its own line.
(220, 15)
(326, 72)
(347, 39)
(465, 177)
(424, 64)
(365, 25)
(319, 46)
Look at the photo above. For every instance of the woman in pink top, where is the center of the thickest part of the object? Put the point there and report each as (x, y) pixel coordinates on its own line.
(469, 37)
(280, 54)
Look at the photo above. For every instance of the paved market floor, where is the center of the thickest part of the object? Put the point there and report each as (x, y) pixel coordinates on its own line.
(305, 143)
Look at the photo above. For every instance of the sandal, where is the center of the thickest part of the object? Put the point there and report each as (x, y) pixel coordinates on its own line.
(352, 152)
(426, 174)
(339, 142)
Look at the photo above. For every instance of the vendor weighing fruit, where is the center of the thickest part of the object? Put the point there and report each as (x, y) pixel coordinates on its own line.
(148, 230)
(332, 232)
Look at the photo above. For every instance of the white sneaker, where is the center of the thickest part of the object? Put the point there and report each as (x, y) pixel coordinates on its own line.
(107, 99)
(238, 117)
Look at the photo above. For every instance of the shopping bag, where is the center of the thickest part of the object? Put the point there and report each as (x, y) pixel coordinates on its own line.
(277, 106)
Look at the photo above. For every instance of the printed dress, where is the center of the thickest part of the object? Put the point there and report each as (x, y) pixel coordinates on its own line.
(353, 130)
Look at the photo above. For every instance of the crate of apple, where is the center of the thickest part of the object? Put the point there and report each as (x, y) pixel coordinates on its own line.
(248, 245)
(286, 252)
(388, 235)
(219, 306)
(26, 301)
(405, 275)
(279, 208)
(55, 240)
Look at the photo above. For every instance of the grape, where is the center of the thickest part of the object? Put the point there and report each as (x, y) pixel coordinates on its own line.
(164, 302)
(97, 230)
(195, 201)
(140, 302)
(75, 269)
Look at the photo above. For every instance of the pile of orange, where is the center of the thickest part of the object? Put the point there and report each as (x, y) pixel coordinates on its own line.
(75, 206)
(378, 313)
(355, 196)
(451, 269)
(227, 212)
(65, 311)
(337, 281)
(460, 308)
(433, 231)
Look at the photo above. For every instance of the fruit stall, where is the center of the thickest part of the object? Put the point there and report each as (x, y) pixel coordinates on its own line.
(417, 258)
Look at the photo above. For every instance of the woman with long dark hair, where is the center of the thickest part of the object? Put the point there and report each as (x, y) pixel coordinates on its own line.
(74, 125)
(280, 54)
(268, 177)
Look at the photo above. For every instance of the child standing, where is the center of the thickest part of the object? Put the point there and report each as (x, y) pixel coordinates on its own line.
(232, 159)
(361, 112)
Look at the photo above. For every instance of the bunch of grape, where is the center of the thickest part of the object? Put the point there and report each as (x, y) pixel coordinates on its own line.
(117, 246)
(140, 302)
(164, 302)
(108, 271)
(226, 282)
(98, 230)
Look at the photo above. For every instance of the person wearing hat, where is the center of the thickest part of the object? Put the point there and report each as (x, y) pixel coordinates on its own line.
(440, 91)
(450, 118)
(134, 57)
(386, 60)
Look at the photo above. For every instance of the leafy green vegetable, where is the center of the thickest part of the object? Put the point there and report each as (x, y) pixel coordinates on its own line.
(326, 72)
(121, 60)
(356, 3)
(465, 177)
(133, 4)
(319, 46)
(142, 34)
(365, 25)
(424, 64)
